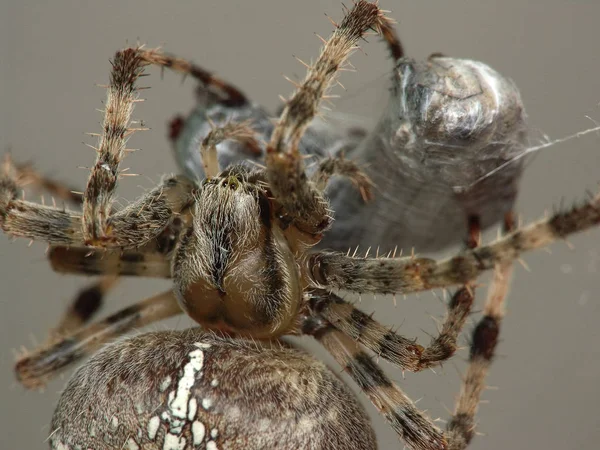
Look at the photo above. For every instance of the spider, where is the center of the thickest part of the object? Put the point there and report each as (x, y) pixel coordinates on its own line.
(240, 241)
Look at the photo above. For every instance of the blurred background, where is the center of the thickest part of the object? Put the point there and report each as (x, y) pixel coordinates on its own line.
(548, 366)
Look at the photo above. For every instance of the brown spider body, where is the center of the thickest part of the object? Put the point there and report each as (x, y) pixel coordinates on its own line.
(244, 395)
(235, 267)
(240, 248)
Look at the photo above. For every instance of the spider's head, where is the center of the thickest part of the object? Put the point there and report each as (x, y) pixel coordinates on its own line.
(234, 269)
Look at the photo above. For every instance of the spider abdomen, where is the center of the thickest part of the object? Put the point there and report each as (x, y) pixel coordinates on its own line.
(191, 389)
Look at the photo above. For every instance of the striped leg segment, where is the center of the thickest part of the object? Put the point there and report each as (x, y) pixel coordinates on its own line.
(389, 35)
(444, 346)
(127, 67)
(231, 131)
(339, 166)
(20, 218)
(391, 346)
(285, 166)
(226, 93)
(89, 300)
(406, 275)
(405, 353)
(83, 308)
(80, 260)
(99, 225)
(411, 424)
(35, 369)
(149, 261)
(304, 104)
(461, 427)
(134, 226)
(146, 218)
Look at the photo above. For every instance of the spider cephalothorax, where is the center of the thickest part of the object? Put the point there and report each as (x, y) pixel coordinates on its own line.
(235, 264)
(241, 249)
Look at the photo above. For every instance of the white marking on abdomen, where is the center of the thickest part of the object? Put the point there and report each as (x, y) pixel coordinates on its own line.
(173, 442)
(198, 432)
(179, 399)
(153, 424)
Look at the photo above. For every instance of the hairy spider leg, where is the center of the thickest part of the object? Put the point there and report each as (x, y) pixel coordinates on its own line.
(414, 274)
(461, 427)
(34, 370)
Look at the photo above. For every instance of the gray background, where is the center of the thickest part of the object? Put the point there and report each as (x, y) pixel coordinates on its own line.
(548, 366)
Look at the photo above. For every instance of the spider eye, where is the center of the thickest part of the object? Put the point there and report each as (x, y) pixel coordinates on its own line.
(231, 182)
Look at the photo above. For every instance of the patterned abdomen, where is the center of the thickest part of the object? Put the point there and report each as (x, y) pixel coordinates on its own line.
(140, 393)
